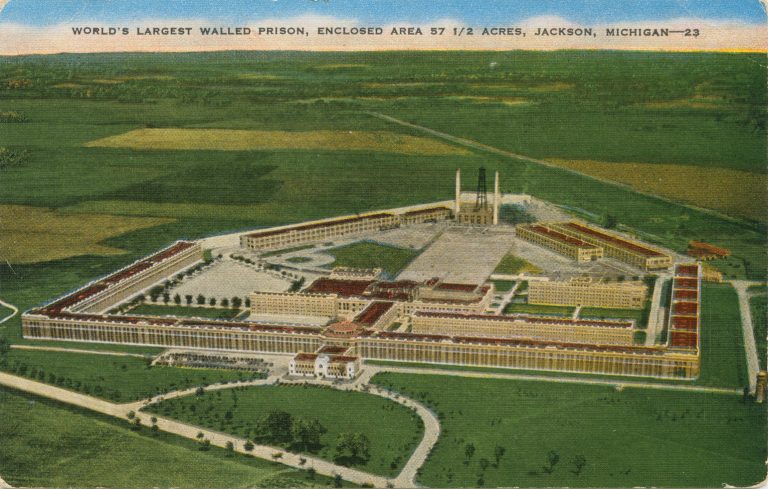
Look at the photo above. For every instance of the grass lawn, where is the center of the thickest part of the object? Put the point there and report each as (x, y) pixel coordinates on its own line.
(723, 361)
(393, 430)
(48, 444)
(636, 437)
(119, 379)
(513, 308)
(759, 306)
(601, 313)
(298, 259)
(503, 285)
(512, 264)
(365, 254)
(184, 311)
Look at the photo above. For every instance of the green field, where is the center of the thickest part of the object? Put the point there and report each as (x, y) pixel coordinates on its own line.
(513, 308)
(512, 265)
(286, 250)
(605, 313)
(759, 309)
(393, 430)
(503, 285)
(184, 311)
(47, 444)
(723, 362)
(365, 254)
(625, 437)
(115, 378)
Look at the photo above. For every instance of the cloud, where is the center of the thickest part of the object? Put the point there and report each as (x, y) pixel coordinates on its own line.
(715, 34)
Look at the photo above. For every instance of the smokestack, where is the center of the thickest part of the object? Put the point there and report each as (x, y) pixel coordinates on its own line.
(496, 200)
(458, 191)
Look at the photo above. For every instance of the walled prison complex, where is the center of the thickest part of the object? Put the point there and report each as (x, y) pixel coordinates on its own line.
(341, 316)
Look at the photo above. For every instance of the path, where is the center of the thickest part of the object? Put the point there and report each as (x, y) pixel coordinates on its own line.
(3, 484)
(189, 431)
(77, 350)
(507, 299)
(748, 332)
(542, 378)
(14, 311)
(656, 315)
(484, 147)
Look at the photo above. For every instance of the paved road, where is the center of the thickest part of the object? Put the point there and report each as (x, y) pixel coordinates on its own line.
(3, 484)
(490, 149)
(748, 332)
(76, 350)
(542, 378)
(14, 311)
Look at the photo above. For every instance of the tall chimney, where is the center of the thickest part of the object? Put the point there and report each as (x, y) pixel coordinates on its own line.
(496, 200)
(458, 192)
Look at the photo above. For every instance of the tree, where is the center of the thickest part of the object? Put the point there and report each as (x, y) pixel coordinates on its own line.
(237, 302)
(212, 301)
(248, 446)
(498, 452)
(610, 221)
(579, 462)
(353, 447)
(188, 299)
(337, 480)
(484, 463)
(469, 451)
(131, 415)
(177, 299)
(247, 302)
(205, 445)
(200, 435)
(153, 419)
(225, 302)
(200, 299)
(230, 448)
(154, 428)
(306, 434)
(552, 459)
(311, 473)
(136, 424)
(275, 427)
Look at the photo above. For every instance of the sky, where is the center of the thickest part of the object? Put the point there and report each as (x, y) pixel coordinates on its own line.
(42, 26)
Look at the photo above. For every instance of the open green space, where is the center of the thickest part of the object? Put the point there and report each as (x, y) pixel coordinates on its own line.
(512, 265)
(115, 378)
(48, 444)
(298, 259)
(607, 313)
(503, 285)
(759, 310)
(365, 254)
(393, 430)
(184, 311)
(723, 361)
(513, 308)
(637, 437)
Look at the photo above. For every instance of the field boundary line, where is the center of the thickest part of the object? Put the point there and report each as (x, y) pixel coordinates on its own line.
(491, 149)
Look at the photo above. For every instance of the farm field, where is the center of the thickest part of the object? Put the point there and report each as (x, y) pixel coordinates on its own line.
(114, 378)
(239, 140)
(184, 311)
(372, 255)
(393, 430)
(47, 444)
(27, 231)
(723, 189)
(631, 434)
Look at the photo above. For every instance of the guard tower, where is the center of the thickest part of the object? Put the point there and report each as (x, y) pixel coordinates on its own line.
(480, 213)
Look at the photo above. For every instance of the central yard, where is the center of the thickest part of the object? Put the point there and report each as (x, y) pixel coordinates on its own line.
(393, 430)
(542, 434)
(372, 255)
(115, 378)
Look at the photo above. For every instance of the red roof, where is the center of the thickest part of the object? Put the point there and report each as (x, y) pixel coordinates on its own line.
(686, 283)
(529, 319)
(556, 235)
(373, 312)
(613, 239)
(702, 247)
(685, 308)
(333, 350)
(344, 288)
(687, 339)
(685, 294)
(304, 357)
(684, 322)
(687, 271)
(458, 287)
(429, 210)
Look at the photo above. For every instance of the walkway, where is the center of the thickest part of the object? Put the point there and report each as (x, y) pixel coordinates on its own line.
(748, 332)
(507, 299)
(77, 350)
(14, 311)
(618, 383)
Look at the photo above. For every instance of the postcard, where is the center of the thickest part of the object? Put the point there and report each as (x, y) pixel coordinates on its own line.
(337, 243)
